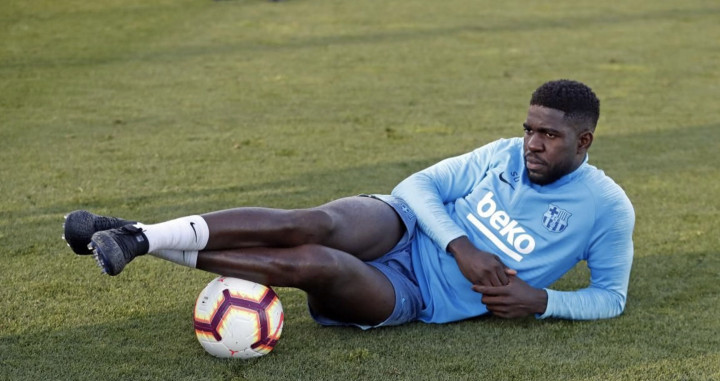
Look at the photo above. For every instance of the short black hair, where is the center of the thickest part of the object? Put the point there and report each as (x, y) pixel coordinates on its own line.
(575, 99)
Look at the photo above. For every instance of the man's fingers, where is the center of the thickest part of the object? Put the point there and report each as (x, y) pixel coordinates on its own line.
(491, 279)
(500, 271)
(479, 288)
(490, 282)
(497, 280)
(488, 290)
(491, 301)
(502, 278)
(510, 271)
(499, 310)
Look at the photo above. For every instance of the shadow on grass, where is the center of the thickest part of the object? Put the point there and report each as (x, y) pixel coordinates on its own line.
(303, 190)
(158, 55)
(659, 152)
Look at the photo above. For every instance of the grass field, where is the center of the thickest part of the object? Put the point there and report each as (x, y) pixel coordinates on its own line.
(155, 109)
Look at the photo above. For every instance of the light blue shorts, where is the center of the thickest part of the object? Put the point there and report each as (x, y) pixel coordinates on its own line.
(396, 265)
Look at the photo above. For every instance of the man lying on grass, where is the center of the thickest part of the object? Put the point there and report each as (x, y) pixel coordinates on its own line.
(484, 232)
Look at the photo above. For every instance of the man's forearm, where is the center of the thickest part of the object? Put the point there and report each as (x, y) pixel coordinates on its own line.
(586, 304)
(420, 194)
(539, 301)
(460, 245)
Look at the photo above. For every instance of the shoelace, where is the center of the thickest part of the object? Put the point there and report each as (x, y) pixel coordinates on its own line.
(130, 247)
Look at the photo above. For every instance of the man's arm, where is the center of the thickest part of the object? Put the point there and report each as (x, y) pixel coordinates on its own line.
(427, 191)
(479, 267)
(609, 259)
(516, 299)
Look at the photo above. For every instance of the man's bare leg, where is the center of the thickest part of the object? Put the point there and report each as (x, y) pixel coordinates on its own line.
(339, 286)
(362, 226)
(319, 250)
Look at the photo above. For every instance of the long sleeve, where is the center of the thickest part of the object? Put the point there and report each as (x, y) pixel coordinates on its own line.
(427, 192)
(541, 231)
(609, 259)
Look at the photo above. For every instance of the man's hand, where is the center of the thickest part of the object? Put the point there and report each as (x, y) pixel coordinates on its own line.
(479, 267)
(516, 299)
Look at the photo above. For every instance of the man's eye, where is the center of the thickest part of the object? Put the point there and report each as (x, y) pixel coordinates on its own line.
(550, 135)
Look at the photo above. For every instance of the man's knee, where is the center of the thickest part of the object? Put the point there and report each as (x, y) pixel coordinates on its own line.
(365, 227)
(307, 226)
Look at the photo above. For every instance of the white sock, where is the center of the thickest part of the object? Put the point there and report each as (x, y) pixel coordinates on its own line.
(182, 257)
(186, 233)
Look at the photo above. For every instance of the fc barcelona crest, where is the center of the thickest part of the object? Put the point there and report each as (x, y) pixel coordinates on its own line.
(556, 219)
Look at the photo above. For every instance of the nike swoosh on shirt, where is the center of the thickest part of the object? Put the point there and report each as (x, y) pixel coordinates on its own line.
(505, 180)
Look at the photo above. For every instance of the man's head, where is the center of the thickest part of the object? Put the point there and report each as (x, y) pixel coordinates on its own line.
(559, 129)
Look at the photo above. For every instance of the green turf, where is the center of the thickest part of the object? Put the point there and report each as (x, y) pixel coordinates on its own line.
(156, 109)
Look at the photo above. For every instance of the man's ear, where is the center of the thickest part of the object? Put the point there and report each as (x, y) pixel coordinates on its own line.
(584, 141)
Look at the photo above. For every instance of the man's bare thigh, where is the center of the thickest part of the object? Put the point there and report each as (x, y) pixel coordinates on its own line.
(363, 226)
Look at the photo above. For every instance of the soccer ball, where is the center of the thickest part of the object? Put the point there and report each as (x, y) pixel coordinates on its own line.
(237, 318)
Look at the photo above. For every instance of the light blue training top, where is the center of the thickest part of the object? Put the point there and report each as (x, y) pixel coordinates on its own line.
(540, 231)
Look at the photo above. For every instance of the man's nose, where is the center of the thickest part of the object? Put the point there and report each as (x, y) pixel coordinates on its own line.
(534, 143)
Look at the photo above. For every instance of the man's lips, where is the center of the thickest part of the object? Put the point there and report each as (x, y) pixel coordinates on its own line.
(533, 163)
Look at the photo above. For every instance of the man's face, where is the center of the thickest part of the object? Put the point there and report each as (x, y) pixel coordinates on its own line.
(552, 146)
